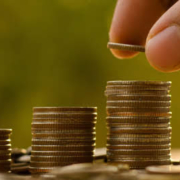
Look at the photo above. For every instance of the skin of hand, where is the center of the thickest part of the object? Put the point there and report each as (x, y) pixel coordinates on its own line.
(152, 23)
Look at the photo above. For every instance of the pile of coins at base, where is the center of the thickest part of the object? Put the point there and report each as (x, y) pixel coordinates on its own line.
(62, 136)
(5, 150)
(138, 123)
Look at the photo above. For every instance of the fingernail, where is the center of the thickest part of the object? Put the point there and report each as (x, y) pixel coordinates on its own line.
(163, 49)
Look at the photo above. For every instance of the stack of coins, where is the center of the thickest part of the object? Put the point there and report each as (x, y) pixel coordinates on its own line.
(138, 123)
(62, 136)
(5, 150)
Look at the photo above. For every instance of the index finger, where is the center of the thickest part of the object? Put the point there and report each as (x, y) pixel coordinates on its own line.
(132, 21)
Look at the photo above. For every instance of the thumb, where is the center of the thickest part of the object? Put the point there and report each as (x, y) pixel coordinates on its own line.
(163, 42)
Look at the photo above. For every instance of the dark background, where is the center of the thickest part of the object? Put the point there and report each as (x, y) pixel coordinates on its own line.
(53, 53)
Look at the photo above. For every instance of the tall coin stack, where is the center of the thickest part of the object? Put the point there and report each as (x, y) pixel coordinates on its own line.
(5, 150)
(138, 123)
(62, 136)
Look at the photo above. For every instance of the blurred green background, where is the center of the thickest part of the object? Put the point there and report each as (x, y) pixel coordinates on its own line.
(53, 53)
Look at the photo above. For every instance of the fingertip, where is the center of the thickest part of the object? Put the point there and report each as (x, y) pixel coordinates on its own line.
(162, 50)
(123, 54)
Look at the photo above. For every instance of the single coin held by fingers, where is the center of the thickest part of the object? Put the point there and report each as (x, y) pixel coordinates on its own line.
(126, 47)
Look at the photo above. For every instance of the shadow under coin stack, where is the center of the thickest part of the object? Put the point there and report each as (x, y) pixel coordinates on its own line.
(5, 150)
(138, 123)
(62, 136)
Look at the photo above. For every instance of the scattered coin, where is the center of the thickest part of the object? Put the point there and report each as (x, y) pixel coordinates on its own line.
(175, 161)
(38, 170)
(141, 163)
(20, 169)
(163, 169)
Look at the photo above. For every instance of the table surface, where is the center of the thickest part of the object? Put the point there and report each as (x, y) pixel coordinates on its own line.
(141, 174)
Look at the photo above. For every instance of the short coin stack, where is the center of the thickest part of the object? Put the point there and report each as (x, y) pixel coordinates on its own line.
(62, 136)
(5, 150)
(138, 122)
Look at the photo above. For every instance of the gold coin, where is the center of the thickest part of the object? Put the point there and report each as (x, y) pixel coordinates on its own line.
(141, 163)
(64, 142)
(5, 169)
(5, 156)
(139, 114)
(126, 47)
(7, 151)
(140, 130)
(63, 147)
(64, 138)
(138, 87)
(139, 104)
(66, 116)
(114, 110)
(64, 109)
(63, 130)
(62, 153)
(61, 126)
(117, 141)
(63, 135)
(61, 159)
(140, 125)
(136, 92)
(163, 83)
(5, 142)
(5, 162)
(139, 98)
(168, 135)
(139, 152)
(35, 170)
(142, 98)
(5, 132)
(51, 164)
(138, 158)
(138, 147)
(5, 147)
(137, 119)
(64, 121)
(4, 137)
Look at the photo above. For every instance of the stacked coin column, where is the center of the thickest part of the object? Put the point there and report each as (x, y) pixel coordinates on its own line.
(5, 150)
(138, 123)
(62, 136)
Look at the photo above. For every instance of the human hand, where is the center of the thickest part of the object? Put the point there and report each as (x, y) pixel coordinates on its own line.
(153, 23)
